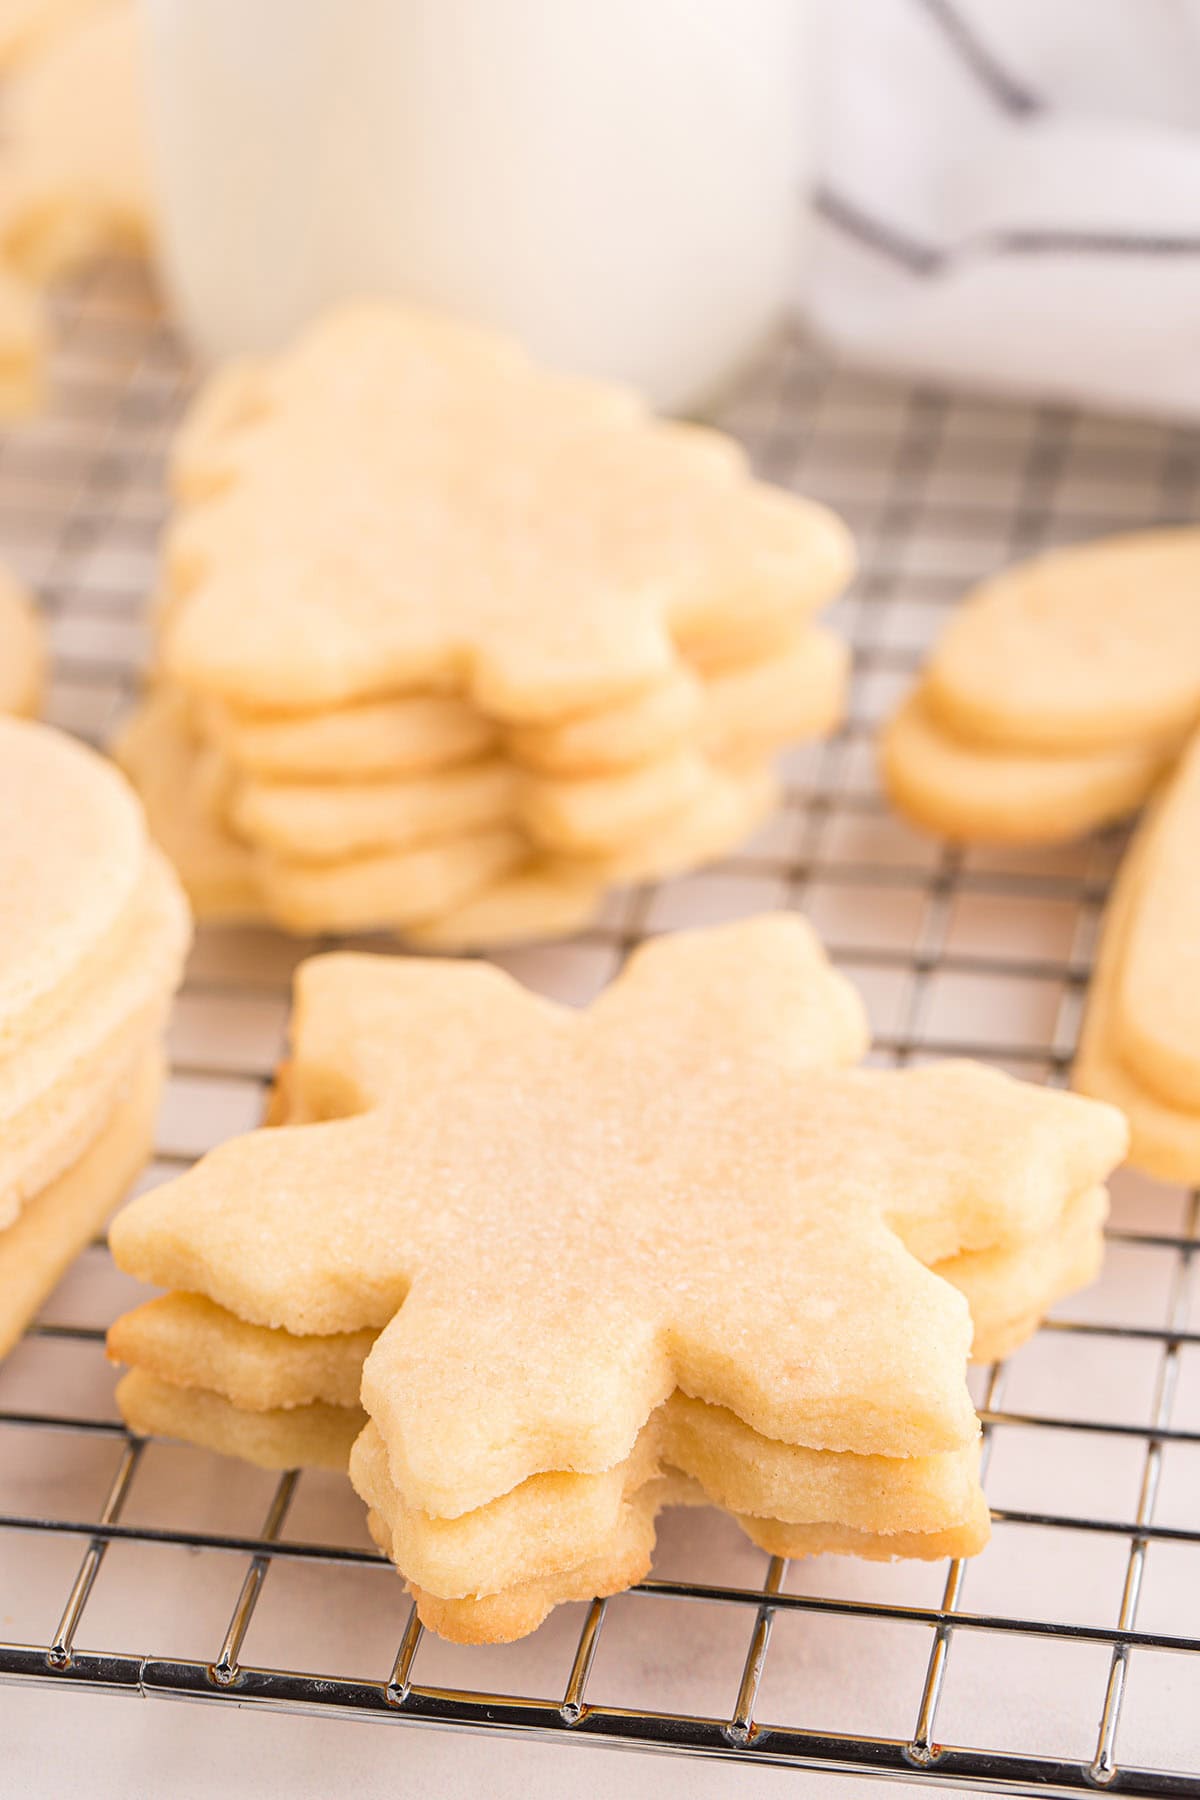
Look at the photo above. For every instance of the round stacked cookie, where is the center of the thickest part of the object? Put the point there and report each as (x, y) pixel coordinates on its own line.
(449, 644)
(567, 1268)
(1058, 696)
(1064, 693)
(93, 931)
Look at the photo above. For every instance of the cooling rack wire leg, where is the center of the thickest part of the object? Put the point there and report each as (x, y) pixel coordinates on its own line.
(62, 1643)
(1104, 1763)
(741, 1727)
(923, 1750)
(585, 1654)
(400, 1679)
(225, 1669)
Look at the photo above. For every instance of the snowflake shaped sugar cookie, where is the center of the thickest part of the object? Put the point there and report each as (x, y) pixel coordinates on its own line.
(560, 1218)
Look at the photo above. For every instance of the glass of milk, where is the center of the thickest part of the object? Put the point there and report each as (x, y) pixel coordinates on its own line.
(617, 182)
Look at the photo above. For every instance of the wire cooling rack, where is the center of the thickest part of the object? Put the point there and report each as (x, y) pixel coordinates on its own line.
(1066, 1657)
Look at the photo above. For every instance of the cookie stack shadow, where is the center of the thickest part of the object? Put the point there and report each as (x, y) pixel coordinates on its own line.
(450, 644)
(93, 932)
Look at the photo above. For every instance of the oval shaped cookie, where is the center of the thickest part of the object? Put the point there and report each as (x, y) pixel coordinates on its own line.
(982, 794)
(1080, 649)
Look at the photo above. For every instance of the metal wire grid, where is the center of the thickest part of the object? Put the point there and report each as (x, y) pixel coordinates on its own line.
(939, 488)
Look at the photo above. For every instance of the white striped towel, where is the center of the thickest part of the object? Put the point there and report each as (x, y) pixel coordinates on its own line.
(1008, 194)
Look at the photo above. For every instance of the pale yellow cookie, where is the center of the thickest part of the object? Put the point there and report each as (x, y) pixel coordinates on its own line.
(451, 693)
(186, 1341)
(57, 1089)
(93, 933)
(982, 793)
(316, 1436)
(484, 887)
(1085, 648)
(658, 719)
(189, 1341)
(731, 804)
(73, 839)
(550, 1521)
(62, 1219)
(603, 814)
(515, 1611)
(557, 895)
(502, 1617)
(334, 821)
(26, 24)
(966, 1538)
(231, 398)
(417, 504)
(800, 692)
(1165, 1139)
(1009, 1290)
(1156, 997)
(541, 900)
(554, 1521)
(693, 1088)
(719, 651)
(387, 890)
(74, 176)
(23, 341)
(797, 691)
(186, 794)
(409, 736)
(184, 789)
(22, 656)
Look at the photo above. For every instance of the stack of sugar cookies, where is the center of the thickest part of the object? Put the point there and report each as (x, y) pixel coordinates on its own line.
(93, 930)
(1140, 1046)
(1064, 693)
(22, 655)
(537, 1272)
(1058, 696)
(450, 643)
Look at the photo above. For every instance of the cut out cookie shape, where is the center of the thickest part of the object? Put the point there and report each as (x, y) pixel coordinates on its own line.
(1058, 696)
(1082, 648)
(1140, 1046)
(449, 643)
(93, 931)
(410, 503)
(685, 1190)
